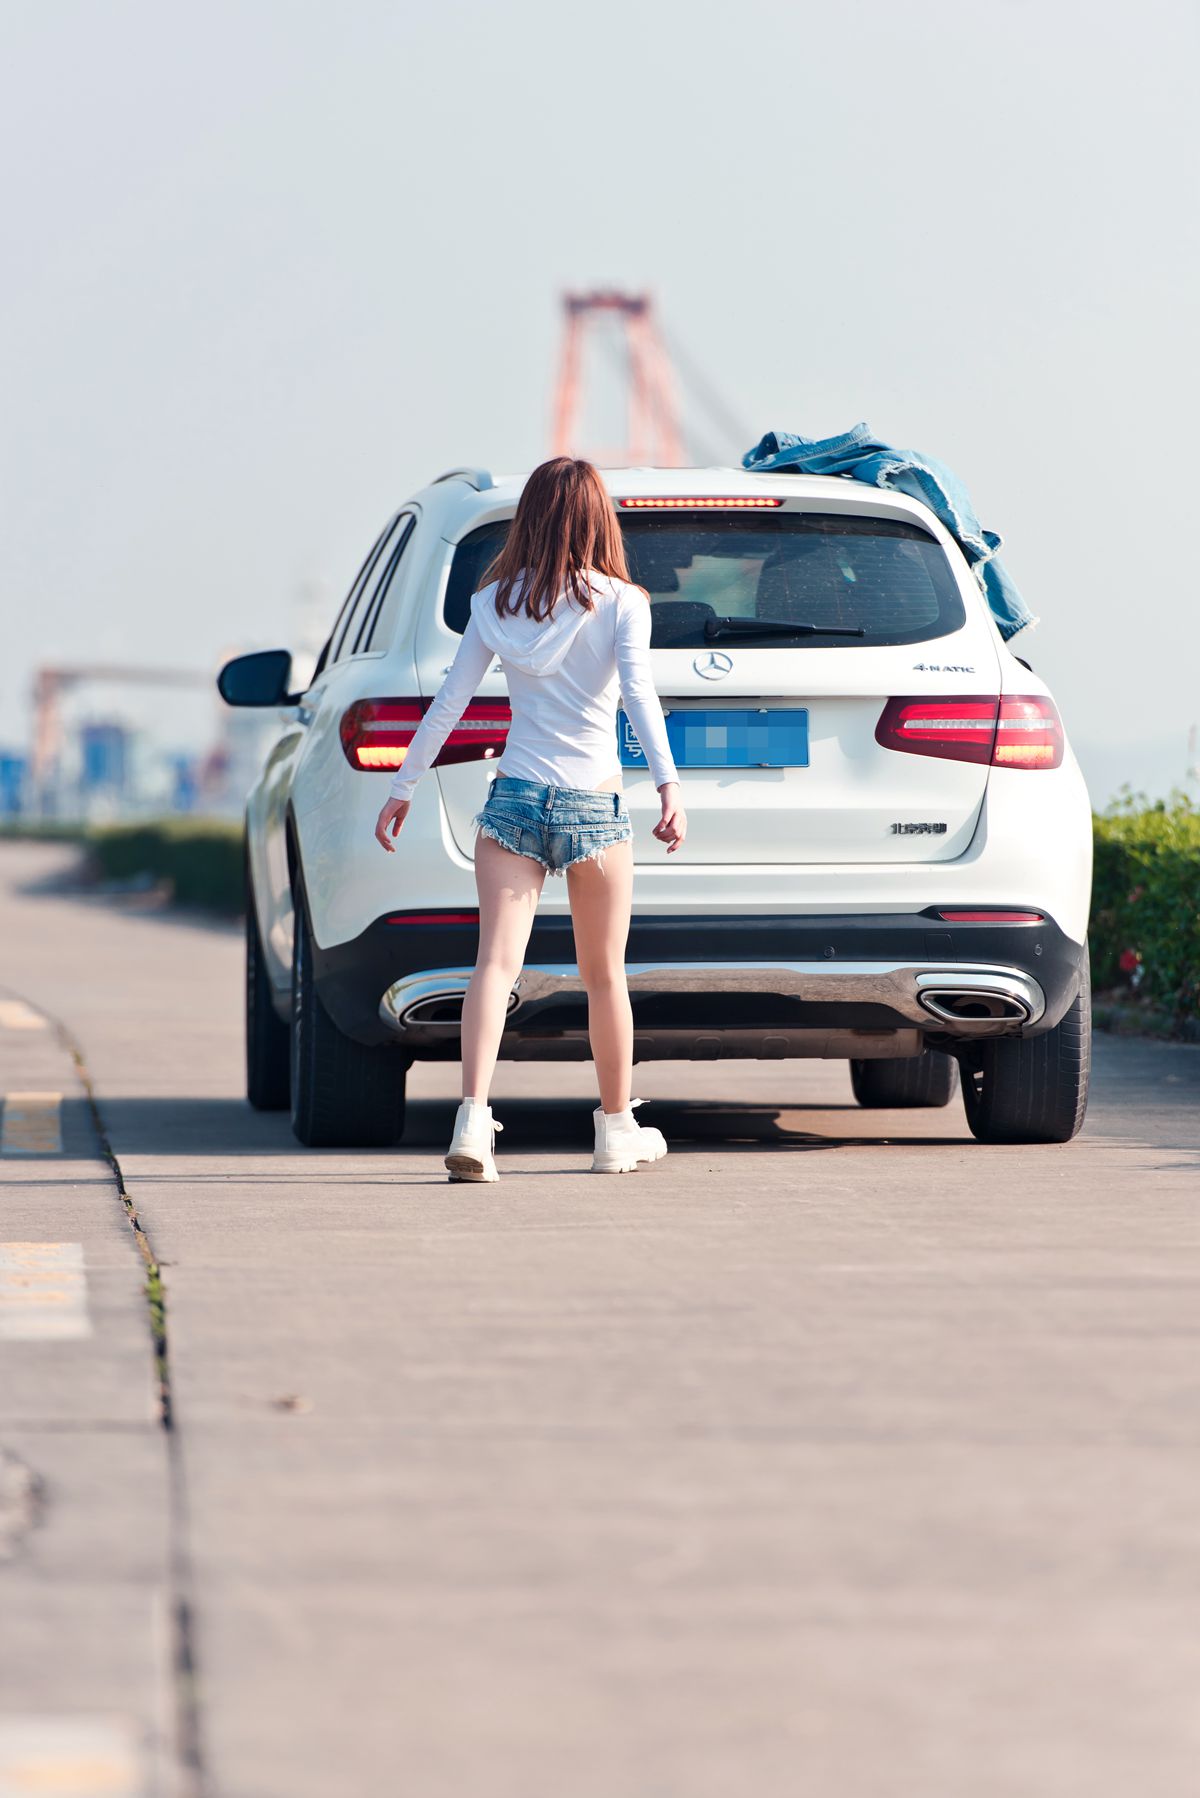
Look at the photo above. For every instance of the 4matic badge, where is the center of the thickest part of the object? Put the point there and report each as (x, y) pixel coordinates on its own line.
(942, 668)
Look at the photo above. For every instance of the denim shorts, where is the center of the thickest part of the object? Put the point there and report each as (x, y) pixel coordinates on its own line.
(557, 826)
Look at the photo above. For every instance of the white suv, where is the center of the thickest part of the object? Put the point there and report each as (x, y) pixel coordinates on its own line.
(889, 845)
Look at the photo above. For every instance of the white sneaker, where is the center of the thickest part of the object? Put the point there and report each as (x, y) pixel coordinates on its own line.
(621, 1142)
(471, 1155)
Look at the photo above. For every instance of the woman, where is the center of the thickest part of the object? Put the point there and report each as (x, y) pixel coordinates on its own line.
(572, 634)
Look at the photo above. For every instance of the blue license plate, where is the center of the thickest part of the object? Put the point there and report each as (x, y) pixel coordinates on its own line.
(726, 739)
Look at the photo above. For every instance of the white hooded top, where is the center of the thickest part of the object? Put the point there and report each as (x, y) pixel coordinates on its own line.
(566, 676)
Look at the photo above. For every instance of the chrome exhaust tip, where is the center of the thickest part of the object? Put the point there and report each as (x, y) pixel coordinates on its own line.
(975, 1008)
(981, 1002)
(440, 1008)
(444, 1008)
(435, 1001)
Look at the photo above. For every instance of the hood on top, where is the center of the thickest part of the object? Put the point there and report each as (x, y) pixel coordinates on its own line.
(517, 638)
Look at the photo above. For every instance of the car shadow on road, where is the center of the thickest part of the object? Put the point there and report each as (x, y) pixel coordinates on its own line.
(697, 1126)
(170, 1125)
(735, 1126)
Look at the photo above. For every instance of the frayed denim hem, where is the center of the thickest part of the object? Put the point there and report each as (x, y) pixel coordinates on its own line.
(488, 829)
(589, 855)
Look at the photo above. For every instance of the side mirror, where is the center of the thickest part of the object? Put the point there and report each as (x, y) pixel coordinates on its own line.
(260, 679)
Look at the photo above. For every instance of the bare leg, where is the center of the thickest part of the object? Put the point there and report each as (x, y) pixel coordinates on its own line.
(601, 900)
(509, 887)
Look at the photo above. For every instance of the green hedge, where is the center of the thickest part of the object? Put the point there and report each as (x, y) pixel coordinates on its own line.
(1146, 901)
(199, 858)
(41, 830)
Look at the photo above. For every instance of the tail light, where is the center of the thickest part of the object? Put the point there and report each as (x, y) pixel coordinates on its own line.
(1029, 733)
(1012, 731)
(961, 729)
(376, 733)
(411, 918)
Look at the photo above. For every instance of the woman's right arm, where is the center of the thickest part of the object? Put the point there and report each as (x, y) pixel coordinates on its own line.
(471, 662)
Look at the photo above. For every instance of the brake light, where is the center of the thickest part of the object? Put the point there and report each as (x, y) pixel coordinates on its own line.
(705, 503)
(961, 729)
(990, 917)
(1012, 731)
(376, 733)
(434, 917)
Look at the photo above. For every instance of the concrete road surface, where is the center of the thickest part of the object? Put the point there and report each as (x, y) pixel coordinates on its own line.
(833, 1455)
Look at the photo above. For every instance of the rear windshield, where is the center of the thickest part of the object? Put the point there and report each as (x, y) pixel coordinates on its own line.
(881, 577)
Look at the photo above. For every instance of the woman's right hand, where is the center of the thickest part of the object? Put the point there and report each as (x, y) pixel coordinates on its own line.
(671, 828)
(389, 821)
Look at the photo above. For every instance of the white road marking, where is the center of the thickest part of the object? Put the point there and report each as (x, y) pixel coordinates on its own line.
(31, 1124)
(16, 1015)
(71, 1757)
(43, 1296)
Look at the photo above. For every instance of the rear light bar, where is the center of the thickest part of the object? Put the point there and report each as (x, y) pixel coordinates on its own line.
(1012, 731)
(990, 917)
(376, 733)
(704, 503)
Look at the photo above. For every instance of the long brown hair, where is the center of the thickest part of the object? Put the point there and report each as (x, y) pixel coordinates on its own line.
(565, 524)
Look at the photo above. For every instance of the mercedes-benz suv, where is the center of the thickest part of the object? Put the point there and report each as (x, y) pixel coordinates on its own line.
(889, 846)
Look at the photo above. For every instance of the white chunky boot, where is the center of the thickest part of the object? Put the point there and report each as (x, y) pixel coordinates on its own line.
(471, 1155)
(621, 1142)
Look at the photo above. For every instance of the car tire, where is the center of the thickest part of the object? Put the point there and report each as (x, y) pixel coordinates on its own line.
(268, 1045)
(909, 1081)
(1034, 1089)
(345, 1095)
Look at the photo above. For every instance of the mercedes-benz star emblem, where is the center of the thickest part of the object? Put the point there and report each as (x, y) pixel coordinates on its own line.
(713, 664)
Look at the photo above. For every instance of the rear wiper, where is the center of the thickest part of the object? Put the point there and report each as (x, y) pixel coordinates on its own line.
(769, 627)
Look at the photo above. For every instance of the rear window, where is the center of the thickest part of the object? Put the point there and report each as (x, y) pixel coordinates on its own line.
(881, 577)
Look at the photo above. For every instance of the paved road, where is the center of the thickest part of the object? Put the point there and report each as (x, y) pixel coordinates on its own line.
(834, 1455)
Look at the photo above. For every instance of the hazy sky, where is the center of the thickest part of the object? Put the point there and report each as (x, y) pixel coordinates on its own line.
(271, 265)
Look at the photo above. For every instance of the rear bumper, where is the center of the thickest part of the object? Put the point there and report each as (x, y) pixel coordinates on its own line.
(771, 985)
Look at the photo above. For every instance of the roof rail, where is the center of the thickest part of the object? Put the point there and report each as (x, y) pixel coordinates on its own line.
(479, 478)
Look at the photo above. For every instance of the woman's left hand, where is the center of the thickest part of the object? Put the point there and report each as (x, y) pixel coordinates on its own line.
(671, 828)
(390, 819)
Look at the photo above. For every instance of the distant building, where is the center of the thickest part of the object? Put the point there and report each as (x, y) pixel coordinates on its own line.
(104, 761)
(14, 783)
(184, 782)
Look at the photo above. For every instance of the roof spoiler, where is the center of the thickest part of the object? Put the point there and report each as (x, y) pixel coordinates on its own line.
(479, 478)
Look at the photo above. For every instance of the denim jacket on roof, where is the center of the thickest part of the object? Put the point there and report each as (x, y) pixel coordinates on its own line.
(864, 458)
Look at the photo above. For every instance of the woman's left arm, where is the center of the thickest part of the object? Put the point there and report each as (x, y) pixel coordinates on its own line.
(642, 703)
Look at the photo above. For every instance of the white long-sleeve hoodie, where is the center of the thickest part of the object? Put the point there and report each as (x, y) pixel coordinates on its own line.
(566, 676)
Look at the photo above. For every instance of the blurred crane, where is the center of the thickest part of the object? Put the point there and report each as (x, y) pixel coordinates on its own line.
(652, 372)
(653, 413)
